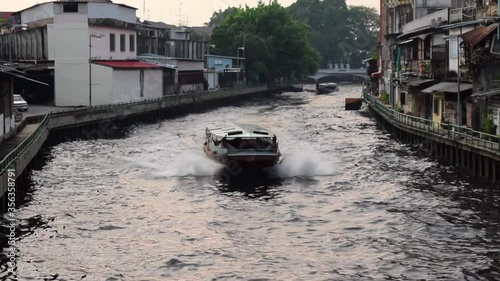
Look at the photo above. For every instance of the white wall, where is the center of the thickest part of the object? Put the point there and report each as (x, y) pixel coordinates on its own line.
(184, 65)
(113, 11)
(426, 21)
(43, 11)
(51, 43)
(102, 84)
(101, 46)
(71, 56)
(126, 85)
(7, 124)
(212, 79)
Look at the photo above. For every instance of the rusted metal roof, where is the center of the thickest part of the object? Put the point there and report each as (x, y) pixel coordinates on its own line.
(475, 36)
(447, 87)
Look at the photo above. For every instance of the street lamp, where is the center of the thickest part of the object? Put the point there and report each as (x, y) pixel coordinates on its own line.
(459, 105)
(90, 64)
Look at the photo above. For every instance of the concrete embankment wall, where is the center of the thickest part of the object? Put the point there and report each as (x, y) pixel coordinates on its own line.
(88, 123)
(473, 154)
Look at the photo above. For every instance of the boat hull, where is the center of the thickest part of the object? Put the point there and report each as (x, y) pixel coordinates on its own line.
(253, 161)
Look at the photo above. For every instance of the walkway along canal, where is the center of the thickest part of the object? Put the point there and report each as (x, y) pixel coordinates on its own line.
(101, 121)
(477, 152)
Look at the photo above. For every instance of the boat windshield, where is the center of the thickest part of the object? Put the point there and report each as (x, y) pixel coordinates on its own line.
(262, 144)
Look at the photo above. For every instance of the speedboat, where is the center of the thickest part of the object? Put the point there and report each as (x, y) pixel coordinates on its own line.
(325, 88)
(238, 145)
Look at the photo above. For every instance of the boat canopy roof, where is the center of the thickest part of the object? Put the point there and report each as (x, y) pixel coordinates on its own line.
(238, 130)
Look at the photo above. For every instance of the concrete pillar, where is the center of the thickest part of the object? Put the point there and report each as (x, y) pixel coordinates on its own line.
(486, 167)
(473, 163)
(494, 176)
(481, 165)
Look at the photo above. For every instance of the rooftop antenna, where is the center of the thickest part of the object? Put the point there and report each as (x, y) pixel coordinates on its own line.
(144, 10)
(180, 13)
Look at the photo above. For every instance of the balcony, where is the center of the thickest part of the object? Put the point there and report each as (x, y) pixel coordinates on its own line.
(396, 3)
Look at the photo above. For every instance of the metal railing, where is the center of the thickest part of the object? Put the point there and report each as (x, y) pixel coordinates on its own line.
(449, 131)
(14, 154)
(19, 150)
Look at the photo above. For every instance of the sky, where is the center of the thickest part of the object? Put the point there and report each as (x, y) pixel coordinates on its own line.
(193, 12)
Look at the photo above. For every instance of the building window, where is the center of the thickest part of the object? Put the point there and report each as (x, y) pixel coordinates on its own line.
(132, 42)
(218, 62)
(141, 82)
(70, 8)
(402, 98)
(112, 42)
(122, 42)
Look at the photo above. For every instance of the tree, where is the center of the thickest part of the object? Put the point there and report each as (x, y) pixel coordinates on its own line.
(219, 16)
(275, 44)
(340, 33)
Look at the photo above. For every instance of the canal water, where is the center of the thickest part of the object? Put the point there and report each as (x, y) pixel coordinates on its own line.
(347, 203)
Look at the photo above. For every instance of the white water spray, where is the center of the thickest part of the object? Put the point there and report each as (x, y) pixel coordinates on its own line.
(307, 164)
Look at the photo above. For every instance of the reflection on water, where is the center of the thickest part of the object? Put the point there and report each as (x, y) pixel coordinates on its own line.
(348, 202)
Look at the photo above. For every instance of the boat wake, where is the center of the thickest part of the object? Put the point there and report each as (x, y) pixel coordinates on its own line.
(190, 163)
(193, 163)
(306, 164)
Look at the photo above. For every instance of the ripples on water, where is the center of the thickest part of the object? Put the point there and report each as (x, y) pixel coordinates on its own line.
(347, 203)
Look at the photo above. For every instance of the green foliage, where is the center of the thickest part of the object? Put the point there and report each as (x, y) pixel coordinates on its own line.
(488, 126)
(384, 97)
(427, 68)
(275, 44)
(340, 33)
(218, 17)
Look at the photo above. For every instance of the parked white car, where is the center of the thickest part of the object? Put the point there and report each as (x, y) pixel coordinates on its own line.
(20, 104)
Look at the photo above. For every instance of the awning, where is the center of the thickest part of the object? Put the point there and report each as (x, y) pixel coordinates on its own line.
(18, 74)
(418, 82)
(465, 23)
(405, 42)
(486, 94)
(447, 87)
(475, 36)
(127, 64)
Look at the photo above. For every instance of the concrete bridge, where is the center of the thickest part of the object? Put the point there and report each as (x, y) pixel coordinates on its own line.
(339, 74)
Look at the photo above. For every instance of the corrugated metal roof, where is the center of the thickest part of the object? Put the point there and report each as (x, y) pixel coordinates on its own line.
(447, 87)
(418, 82)
(490, 93)
(475, 36)
(127, 64)
(465, 23)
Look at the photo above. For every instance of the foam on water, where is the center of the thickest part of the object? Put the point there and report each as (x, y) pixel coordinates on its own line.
(307, 163)
(189, 163)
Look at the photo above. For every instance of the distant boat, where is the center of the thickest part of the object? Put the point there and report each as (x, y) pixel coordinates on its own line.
(241, 145)
(325, 88)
